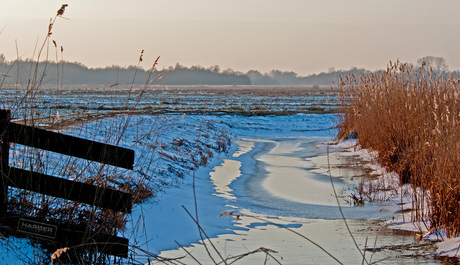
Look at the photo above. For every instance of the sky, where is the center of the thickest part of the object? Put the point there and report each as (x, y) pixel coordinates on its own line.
(304, 36)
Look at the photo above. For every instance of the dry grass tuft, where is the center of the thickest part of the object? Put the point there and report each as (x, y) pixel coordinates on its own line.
(410, 116)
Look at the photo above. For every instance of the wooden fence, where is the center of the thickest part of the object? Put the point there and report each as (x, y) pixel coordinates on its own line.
(63, 234)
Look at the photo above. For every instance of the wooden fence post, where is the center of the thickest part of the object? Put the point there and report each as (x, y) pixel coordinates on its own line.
(5, 116)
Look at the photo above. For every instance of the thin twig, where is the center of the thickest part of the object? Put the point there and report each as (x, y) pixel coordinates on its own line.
(265, 250)
(190, 254)
(340, 207)
(204, 233)
(373, 251)
(292, 231)
(365, 247)
(200, 230)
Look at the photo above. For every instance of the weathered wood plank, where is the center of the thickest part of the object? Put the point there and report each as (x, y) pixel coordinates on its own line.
(70, 145)
(70, 190)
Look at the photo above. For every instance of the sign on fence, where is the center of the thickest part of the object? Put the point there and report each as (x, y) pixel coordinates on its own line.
(37, 228)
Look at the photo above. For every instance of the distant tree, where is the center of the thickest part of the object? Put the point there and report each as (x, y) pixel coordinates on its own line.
(214, 68)
(2, 58)
(229, 71)
(257, 78)
(254, 73)
(134, 67)
(437, 63)
(197, 67)
(178, 66)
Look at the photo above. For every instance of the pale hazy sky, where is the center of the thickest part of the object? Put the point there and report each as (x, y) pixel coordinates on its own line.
(305, 36)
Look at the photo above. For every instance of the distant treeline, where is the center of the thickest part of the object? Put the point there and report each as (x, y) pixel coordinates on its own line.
(20, 72)
(74, 73)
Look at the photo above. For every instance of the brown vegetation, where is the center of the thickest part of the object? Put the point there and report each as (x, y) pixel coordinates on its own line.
(410, 116)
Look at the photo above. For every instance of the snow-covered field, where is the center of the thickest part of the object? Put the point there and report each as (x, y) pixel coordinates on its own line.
(97, 101)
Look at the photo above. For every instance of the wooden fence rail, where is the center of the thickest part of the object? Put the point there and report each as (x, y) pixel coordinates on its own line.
(58, 187)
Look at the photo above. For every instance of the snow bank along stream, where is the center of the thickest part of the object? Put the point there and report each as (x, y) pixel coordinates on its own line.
(277, 171)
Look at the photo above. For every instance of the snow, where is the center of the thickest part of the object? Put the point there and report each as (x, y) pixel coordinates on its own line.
(233, 185)
(212, 183)
(401, 220)
(263, 148)
(17, 251)
(449, 247)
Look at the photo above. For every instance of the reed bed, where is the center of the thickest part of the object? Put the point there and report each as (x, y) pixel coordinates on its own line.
(410, 117)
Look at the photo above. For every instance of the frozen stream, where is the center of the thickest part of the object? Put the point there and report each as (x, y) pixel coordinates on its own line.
(272, 179)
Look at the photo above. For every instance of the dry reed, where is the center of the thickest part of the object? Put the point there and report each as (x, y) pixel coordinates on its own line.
(410, 116)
